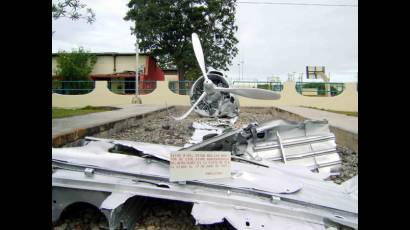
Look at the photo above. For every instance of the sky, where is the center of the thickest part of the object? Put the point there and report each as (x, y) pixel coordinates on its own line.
(274, 40)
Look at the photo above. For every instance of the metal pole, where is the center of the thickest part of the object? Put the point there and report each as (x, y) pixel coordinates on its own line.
(136, 72)
(136, 59)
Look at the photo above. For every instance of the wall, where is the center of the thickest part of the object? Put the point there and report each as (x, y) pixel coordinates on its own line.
(101, 96)
(346, 101)
(127, 63)
(105, 64)
(155, 73)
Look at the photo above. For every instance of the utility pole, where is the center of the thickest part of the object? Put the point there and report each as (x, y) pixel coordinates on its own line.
(136, 72)
(137, 98)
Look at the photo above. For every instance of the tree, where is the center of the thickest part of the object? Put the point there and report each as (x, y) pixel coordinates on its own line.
(164, 29)
(72, 9)
(75, 66)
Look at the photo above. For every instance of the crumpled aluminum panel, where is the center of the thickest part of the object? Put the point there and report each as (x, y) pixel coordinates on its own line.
(201, 130)
(244, 176)
(274, 180)
(352, 186)
(156, 150)
(309, 143)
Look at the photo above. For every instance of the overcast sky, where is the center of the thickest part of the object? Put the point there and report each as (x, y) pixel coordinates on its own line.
(274, 40)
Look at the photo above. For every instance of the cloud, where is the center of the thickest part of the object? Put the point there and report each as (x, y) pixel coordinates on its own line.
(276, 40)
(273, 39)
(109, 33)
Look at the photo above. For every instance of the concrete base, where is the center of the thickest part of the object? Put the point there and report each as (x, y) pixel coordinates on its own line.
(136, 100)
(69, 130)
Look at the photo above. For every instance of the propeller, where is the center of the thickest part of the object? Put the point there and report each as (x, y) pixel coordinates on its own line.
(192, 108)
(210, 88)
(196, 43)
(261, 94)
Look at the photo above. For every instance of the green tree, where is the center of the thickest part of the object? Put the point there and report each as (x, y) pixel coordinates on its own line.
(72, 9)
(164, 29)
(75, 67)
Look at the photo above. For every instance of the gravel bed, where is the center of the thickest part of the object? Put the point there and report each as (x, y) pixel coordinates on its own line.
(81, 217)
(350, 162)
(172, 215)
(155, 214)
(165, 130)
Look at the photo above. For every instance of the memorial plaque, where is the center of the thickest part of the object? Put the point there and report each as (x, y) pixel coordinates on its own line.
(196, 165)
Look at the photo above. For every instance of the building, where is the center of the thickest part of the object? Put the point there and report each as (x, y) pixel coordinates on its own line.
(119, 70)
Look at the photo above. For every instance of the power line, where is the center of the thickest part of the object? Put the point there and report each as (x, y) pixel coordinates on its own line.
(295, 4)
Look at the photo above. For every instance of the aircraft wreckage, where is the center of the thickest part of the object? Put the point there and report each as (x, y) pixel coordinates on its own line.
(278, 177)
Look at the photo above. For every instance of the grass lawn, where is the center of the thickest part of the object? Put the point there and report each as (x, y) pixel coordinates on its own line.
(353, 114)
(60, 112)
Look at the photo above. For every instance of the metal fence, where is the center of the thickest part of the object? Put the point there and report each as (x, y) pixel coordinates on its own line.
(126, 87)
(183, 87)
(123, 87)
(274, 86)
(72, 87)
(180, 87)
(319, 89)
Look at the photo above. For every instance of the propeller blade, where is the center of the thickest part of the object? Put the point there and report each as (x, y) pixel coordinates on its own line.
(192, 108)
(253, 93)
(199, 54)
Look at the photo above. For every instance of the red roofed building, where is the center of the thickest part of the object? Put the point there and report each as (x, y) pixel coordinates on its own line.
(119, 70)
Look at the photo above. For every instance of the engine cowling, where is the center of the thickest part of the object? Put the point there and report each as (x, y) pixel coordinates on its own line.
(215, 104)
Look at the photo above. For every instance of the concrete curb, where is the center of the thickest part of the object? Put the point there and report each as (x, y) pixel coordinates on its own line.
(113, 126)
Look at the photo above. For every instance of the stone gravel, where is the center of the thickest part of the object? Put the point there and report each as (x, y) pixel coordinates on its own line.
(172, 215)
(81, 218)
(350, 162)
(162, 129)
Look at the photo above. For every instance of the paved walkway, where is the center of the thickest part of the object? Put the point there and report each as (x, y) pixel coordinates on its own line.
(341, 121)
(71, 124)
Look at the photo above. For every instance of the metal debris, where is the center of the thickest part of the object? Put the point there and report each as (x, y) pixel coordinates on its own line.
(303, 198)
(308, 143)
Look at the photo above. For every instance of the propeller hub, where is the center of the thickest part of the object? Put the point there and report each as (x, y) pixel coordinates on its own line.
(209, 86)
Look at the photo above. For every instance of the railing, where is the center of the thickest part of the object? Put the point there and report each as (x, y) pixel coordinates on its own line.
(274, 86)
(126, 87)
(180, 87)
(123, 87)
(72, 87)
(183, 87)
(319, 89)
